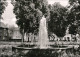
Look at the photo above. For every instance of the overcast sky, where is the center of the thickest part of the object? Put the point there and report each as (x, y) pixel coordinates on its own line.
(62, 2)
(9, 17)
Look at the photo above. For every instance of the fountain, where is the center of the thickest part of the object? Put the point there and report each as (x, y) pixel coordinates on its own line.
(43, 37)
(43, 34)
(43, 48)
(43, 42)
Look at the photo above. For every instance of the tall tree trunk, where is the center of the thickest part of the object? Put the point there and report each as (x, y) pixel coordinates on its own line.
(22, 36)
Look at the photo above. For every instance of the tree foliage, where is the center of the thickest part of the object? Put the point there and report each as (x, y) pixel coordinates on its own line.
(60, 18)
(29, 13)
(71, 2)
(74, 16)
(57, 23)
(3, 4)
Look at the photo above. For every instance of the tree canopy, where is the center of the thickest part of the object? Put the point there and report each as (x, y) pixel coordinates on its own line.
(57, 23)
(74, 16)
(3, 4)
(29, 13)
(61, 17)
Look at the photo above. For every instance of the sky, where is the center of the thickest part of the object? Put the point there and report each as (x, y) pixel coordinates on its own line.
(9, 16)
(62, 2)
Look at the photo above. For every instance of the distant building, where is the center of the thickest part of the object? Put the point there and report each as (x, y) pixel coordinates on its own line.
(16, 36)
(3, 31)
(10, 33)
(53, 37)
(71, 37)
(67, 37)
(78, 37)
(30, 37)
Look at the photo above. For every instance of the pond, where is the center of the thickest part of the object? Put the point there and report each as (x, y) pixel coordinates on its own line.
(70, 52)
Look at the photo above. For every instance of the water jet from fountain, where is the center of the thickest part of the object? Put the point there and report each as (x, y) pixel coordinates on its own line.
(43, 34)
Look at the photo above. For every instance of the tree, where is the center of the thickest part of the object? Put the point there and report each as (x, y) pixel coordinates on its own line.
(58, 23)
(3, 4)
(71, 2)
(74, 16)
(73, 29)
(29, 13)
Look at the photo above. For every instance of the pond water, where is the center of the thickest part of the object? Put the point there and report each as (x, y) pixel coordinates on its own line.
(41, 53)
(47, 53)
